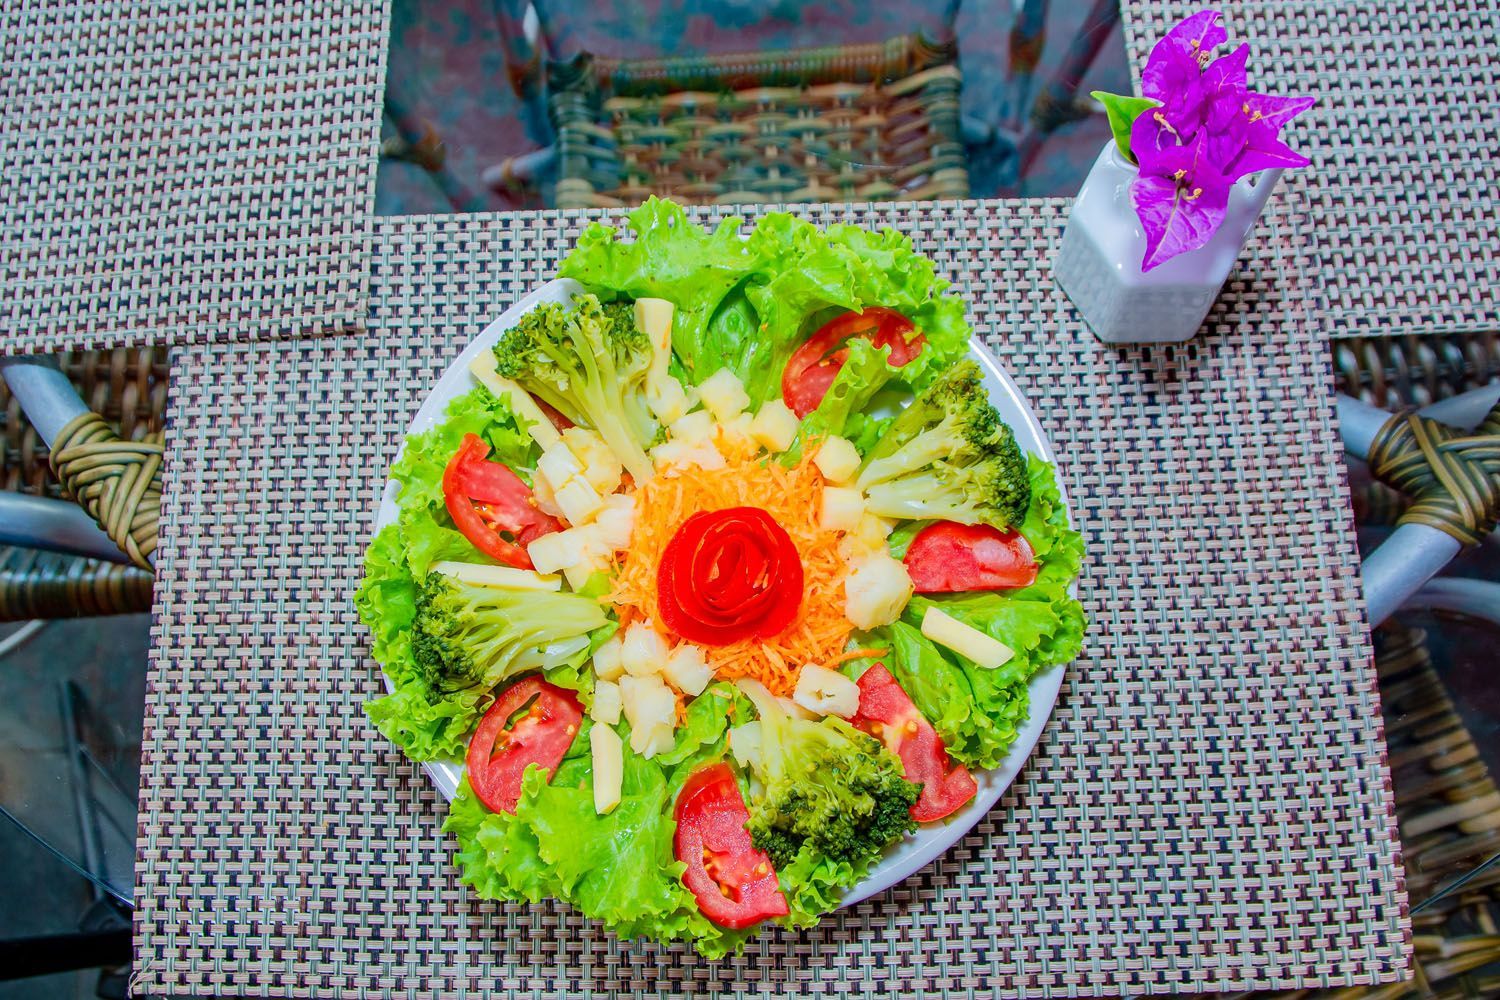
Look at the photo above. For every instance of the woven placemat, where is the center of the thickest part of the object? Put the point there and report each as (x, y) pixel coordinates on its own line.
(1208, 810)
(185, 171)
(1402, 193)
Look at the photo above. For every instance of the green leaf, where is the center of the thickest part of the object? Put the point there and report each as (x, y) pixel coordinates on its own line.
(1123, 110)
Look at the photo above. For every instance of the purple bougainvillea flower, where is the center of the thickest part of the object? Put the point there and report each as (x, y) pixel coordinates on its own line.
(1181, 200)
(1177, 61)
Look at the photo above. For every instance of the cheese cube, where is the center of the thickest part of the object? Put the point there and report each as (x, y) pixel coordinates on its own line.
(616, 520)
(876, 590)
(497, 576)
(965, 640)
(723, 395)
(775, 426)
(606, 707)
(687, 670)
(579, 500)
(644, 650)
(600, 466)
(667, 398)
(837, 459)
(696, 426)
(609, 767)
(841, 509)
(826, 692)
(607, 662)
(650, 707)
(559, 465)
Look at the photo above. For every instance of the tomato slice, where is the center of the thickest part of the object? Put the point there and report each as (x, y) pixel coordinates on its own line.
(814, 366)
(728, 575)
(888, 714)
(735, 885)
(500, 752)
(947, 557)
(488, 501)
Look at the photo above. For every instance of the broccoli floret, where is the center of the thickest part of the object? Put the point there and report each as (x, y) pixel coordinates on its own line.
(591, 363)
(948, 456)
(827, 786)
(468, 635)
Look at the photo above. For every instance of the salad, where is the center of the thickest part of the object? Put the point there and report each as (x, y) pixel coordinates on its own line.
(721, 580)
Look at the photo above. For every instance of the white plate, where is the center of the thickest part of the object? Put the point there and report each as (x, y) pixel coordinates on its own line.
(927, 842)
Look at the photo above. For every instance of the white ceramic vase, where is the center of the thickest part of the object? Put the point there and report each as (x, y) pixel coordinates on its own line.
(1099, 265)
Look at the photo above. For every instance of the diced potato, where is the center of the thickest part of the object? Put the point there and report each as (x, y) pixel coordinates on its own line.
(616, 520)
(826, 692)
(679, 455)
(609, 767)
(745, 744)
(579, 501)
(868, 536)
(496, 576)
(696, 426)
(667, 398)
(876, 590)
(606, 707)
(774, 427)
(644, 651)
(965, 640)
(546, 498)
(541, 429)
(579, 574)
(841, 509)
(687, 670)
(550, 553)
(607, 662)
(559, 464)
(723, 395)
(837, 459)
(600, 466)
(649, 706)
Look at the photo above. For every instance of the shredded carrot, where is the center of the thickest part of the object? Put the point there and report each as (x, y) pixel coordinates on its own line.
(792, 497)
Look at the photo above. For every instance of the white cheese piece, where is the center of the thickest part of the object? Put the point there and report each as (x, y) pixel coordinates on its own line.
(696, 426)
(841, 509)
(607, 662)
(616, 520)
(677, 456)
(541, 429)
(875, 591)
(644, 650)
(600, 466)
(965, 640)
(723, 395)
(559, 464)
(837, 459)
(609, 767)
(826, 692)
(650, 707)
(774, 427)
(497, 576)
(606, 707)
(687, 670)
(579, 501)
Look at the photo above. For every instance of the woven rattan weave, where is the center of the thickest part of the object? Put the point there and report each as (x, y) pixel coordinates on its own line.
(1208, 808)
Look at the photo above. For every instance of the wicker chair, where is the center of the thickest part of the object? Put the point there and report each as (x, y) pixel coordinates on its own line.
(855, 123)
(109, 463)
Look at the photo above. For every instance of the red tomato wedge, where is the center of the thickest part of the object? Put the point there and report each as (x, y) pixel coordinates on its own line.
(727, 575)
(888, 714)
(735, 885)
(946, 558)
(500, 751)
(490, 504)
(814, 366)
